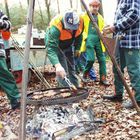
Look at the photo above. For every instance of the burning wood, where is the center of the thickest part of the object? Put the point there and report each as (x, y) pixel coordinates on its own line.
(49, 121)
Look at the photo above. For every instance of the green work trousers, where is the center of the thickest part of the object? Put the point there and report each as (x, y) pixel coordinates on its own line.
(7, 82)
(92, 48)
(129, 58)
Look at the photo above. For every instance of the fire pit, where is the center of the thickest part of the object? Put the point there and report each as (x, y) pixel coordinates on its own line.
(59, 121)
(55, 96)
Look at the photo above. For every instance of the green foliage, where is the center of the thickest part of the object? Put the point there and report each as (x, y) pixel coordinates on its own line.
(18, 17)
(40, 23)
(2, 8)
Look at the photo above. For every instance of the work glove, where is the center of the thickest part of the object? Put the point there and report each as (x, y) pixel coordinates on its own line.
(1, 23)
(60, 72)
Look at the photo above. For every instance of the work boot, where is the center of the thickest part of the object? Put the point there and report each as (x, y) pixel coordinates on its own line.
(103, 81)
(129, 104)
(86, 79)
(15, 104)
(113, 98)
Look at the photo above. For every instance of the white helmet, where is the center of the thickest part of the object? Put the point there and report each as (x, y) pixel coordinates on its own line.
(71, 20)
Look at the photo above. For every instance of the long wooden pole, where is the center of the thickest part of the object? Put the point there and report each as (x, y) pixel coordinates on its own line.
(112, 58)
(22, 133)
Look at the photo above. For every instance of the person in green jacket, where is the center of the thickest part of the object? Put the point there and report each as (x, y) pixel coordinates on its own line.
(7, 81)
(63, 38)
(92, 42)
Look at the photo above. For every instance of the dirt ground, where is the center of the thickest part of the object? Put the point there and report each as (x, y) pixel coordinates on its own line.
(120, 123)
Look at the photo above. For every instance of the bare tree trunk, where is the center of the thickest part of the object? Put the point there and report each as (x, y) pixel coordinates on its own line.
(40, 12)
(71, 4)
(58, 6)
(7, 8)
(27, 2)
(101, 9)
(77, 4)
(20, 4)
(47, 3)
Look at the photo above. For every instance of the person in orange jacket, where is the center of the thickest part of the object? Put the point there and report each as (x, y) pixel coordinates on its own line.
(63, 39)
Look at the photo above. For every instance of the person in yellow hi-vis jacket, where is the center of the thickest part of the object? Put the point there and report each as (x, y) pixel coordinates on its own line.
(92, 43)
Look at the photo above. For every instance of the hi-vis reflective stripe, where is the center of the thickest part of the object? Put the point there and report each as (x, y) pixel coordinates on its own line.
(5, 35)
(65, 34)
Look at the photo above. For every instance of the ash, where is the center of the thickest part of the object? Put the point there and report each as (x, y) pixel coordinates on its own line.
(45, 120)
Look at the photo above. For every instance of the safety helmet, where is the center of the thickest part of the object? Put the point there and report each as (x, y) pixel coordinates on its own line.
(71, 20)
(94, 3)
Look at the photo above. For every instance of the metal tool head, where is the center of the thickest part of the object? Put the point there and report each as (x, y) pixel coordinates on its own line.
(71, 86)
